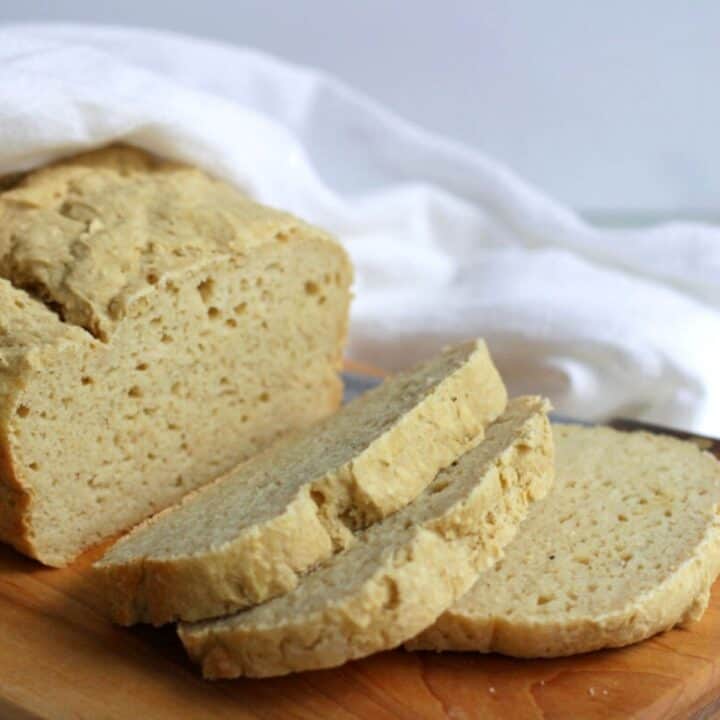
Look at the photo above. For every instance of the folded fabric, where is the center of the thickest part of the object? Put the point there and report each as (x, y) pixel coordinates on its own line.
(448, 244)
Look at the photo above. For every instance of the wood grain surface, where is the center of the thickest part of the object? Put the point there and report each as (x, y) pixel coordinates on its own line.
(61, 658)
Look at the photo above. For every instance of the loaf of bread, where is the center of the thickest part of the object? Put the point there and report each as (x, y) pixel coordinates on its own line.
(626, 545)
(250, 535)
(402, 572)
(156, 328)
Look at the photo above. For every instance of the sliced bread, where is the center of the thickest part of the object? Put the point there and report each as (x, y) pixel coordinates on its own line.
(247, 537)
(626, 545)
(399, 574)
(157, 327)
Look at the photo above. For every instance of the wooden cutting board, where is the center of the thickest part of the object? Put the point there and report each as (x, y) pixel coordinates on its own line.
(61, 658)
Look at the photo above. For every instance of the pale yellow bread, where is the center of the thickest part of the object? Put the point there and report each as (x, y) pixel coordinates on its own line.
(251, 534)
(156, 328)
(626, 545)
(400, 574)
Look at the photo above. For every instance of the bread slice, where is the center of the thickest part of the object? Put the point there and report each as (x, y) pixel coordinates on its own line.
(156, 328)
(398, 575)
(249, 535)
(626, 545)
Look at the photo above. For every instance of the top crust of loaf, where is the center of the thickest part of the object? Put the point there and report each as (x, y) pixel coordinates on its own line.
(626, 545)
(90, 235)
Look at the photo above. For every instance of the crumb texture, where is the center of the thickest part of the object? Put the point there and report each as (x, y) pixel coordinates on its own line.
(251, 534)
(156, 328)
(626, 545)
(399, 574)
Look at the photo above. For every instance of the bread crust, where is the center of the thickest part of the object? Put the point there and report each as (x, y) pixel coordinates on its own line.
(14, 502)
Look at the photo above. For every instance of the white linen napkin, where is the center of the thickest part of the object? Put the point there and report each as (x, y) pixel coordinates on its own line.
(447, 243)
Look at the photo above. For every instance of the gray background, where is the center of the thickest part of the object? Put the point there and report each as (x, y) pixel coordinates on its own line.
(612, 107)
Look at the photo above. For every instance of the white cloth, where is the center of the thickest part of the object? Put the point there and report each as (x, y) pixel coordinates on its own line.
(447, 243)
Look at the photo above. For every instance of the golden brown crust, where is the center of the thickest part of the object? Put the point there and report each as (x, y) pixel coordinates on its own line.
(91, 235)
